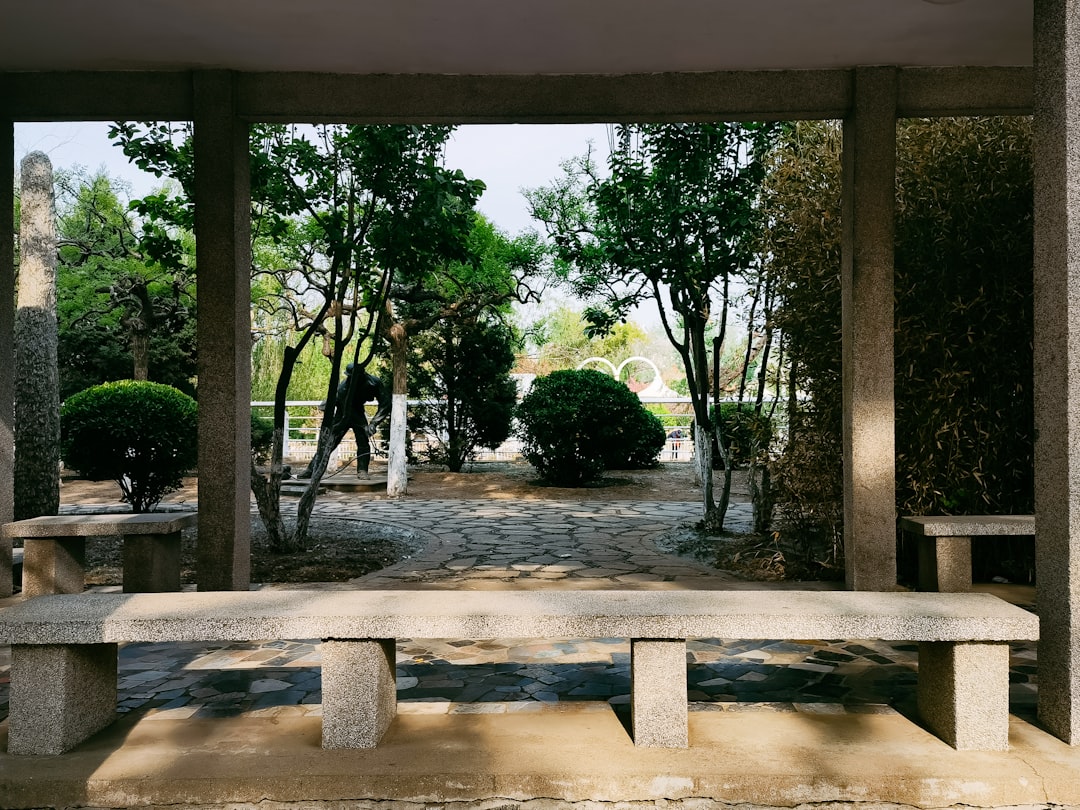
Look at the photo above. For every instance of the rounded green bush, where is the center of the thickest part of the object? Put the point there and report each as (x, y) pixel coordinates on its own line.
(142, 435)
(576, 424)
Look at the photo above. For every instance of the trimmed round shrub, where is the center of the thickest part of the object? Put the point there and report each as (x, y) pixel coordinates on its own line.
(142, 435)
(576, 424)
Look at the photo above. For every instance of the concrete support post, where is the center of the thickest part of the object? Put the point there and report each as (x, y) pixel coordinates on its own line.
(60, 695)
(869, 192)
(659, 711)
(54, 565)
(359, 692)
(223, 253)
(7, 346)
(963, 693)
(945, 564)
(151, 563)
(1057, 361)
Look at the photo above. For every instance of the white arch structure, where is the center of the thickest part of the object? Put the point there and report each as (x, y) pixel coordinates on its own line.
(656, 388)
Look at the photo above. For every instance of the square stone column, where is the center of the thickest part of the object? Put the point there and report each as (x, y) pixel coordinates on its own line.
(869, 197)
(7, 349)
(963, 693)
(60, 695)
(659, 711)
(1057, 361)
(359, 691)
(223, 253)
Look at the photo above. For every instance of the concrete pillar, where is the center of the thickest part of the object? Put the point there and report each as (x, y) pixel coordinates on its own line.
(60, 695)
(7, 346)
(359, 692)
(658, 707)
(1057, 361)
(869, 194)
(223, 253)
(963, 693)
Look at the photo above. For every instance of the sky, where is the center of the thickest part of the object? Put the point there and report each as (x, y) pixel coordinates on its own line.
(507, 157)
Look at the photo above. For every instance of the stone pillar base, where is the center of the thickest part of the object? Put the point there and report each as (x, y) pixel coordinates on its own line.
(60, 695)
(54, 565)
(658, 693)
(151, 563)
(945, 564)
(963, 693)
(359, 691)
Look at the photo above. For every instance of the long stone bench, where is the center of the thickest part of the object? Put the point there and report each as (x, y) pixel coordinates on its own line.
(945, 545)
(64, 648)
(54, 558)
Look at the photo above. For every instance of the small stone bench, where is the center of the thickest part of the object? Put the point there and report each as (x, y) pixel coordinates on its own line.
(54, 546)
(64, 648)
(945, 545)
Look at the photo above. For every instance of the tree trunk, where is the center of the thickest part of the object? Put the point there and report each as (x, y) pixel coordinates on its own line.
(37, 398)
(140, 353)
(397, 475)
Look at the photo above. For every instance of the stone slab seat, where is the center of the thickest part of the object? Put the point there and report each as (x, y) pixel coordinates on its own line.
(945, 544)
(64, 647)
(55, 549)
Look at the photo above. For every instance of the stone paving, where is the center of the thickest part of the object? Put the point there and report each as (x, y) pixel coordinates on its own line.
(522, 544)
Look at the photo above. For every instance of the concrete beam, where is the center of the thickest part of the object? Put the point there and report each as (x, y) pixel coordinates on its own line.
(869, 192)
(1057, 361)
(223, 254)
(99, 96)
(7, 344)
(420, 98)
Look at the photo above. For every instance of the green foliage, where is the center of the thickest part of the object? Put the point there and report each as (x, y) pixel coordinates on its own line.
(463, 370)
(963, 342)
(117, 309)
(576, 424)
(262, 438)
(676, 221)
(142, 435)
(561, 340)
(747, 432)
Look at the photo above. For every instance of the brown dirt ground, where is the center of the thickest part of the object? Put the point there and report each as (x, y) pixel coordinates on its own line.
(342, 549)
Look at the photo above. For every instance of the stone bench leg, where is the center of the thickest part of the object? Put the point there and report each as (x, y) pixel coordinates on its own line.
(945, 564)
(658, 692)
(151, 563)
(60, 695)
(359, 692)
(963, 693)
(54, 565)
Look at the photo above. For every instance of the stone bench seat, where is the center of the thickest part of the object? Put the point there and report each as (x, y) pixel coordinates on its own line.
(945, 545)
(54, 559)
(64, 648)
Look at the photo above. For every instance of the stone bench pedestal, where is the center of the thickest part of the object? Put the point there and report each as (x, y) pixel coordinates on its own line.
(62, 693)
(55, 550)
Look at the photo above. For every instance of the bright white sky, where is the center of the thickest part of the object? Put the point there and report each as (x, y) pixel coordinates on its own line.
(506, 157)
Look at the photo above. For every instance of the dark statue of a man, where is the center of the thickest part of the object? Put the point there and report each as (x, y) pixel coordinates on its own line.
(349, 414)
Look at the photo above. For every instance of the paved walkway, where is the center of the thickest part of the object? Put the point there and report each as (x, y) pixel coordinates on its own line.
(522, 544)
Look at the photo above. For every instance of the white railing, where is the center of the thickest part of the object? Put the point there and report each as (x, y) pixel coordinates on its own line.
(303, 417)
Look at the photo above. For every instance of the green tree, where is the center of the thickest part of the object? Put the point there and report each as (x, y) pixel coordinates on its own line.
(963, 343)
(562, 340)
(490, 273)
(676, 222)
(461, 368)
(120, 313)
(341, 215)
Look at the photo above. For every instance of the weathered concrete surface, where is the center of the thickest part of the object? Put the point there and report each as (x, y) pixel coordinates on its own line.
(80, 698)
(658, 686)
(358, 691)
(229, 616)
(100, 525)
(749, 757)
(968, 525)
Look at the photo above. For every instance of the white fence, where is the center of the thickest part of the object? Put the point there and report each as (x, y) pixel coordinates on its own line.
(303, 417)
